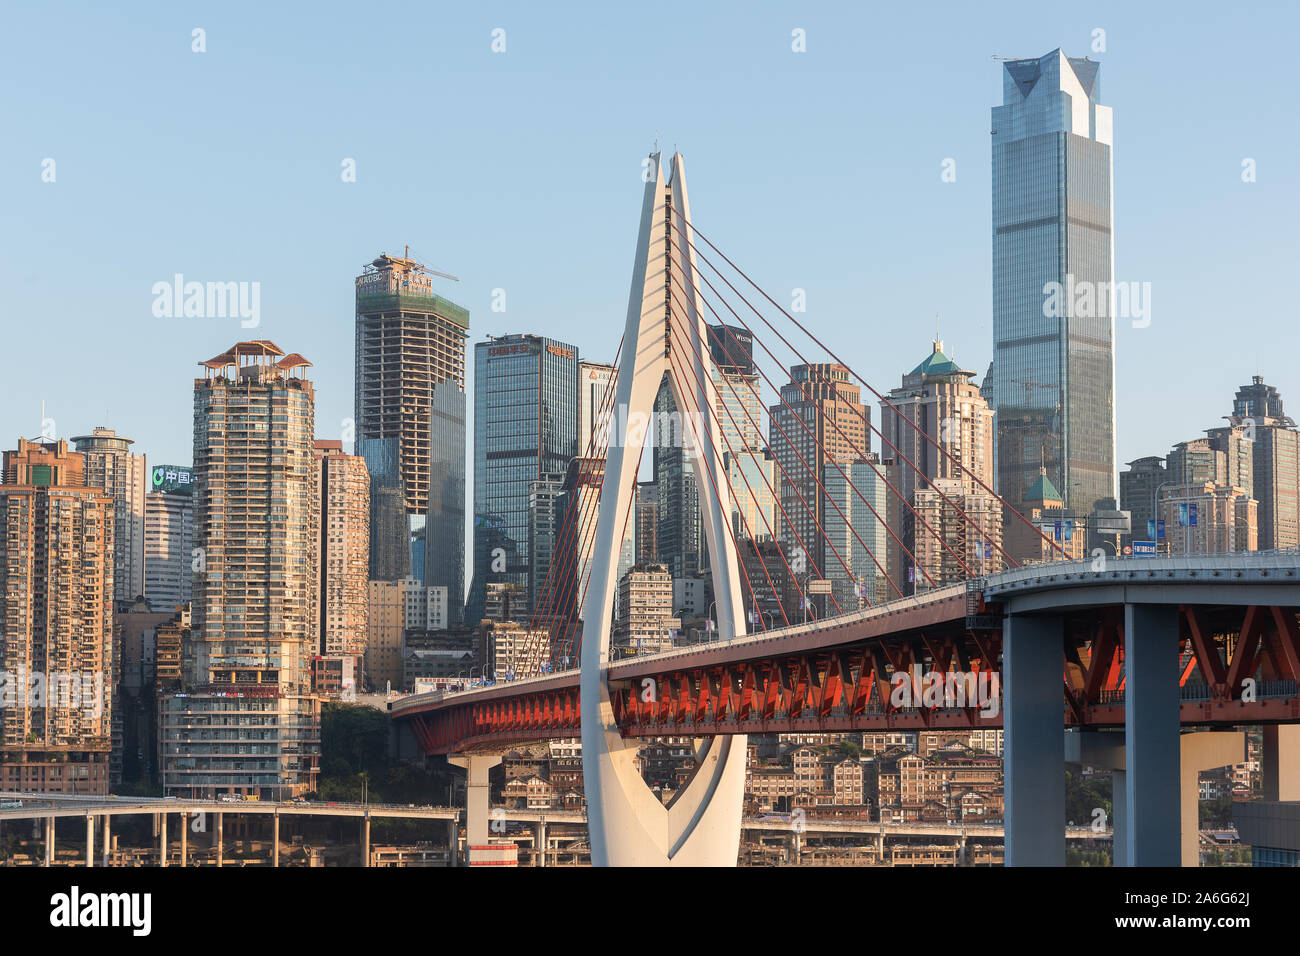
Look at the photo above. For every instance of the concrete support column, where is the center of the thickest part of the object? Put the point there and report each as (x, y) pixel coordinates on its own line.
(365, 839)
(1104, 750)
(453, 840)
(108, 840)
(477, 794)
(185, 838)
(49, 841)
(880, 846)
(220, 846)
(275, 839)
(1119, 818)
(539, 842)
(90, 839)
(1033, 658)
(1202, 751)
(1281, 762)
(162, 839)
(1151, 724)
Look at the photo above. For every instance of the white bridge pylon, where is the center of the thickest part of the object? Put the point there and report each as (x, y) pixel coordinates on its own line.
(628, 825)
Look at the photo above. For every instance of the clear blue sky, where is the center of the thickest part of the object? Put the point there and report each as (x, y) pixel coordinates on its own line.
(521, 171)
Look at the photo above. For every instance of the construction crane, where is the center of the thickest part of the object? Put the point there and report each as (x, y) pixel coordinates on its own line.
(411, 265)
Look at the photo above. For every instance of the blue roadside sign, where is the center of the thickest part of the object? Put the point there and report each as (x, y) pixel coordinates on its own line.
(1144, 549)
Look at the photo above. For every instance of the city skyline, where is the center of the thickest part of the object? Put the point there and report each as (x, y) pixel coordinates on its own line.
(994, 458)
(1185, 311)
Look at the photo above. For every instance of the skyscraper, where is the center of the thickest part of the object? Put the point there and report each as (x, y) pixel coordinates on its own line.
(525, 427)
(939, 422)
(679, 537)
(595, 381)
(1259, 422)
(408, 342)
(169, 537)
(255, 608)
(444, 557)
(342, 489)
(56, 611)
(111, 466)
(820, 422)
(1053, 264)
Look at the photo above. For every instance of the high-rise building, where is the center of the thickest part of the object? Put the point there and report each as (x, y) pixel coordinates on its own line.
(678, 536)
(595, 382)
(645, 622)
(111, 466)
(1208, 517)
(525, 426)
(444, 561)
(858, 533)
(937, 426)
(256, 599)
(1259, 422)
(342, 490)
(169, 537)
(544, 528)
(390, 544)
(56, 610)
(820, 422)
(409, 341)
(1053, 264)
(1137, 494)
(647, 522)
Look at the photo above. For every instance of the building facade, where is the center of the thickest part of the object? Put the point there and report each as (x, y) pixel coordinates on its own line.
(525, 426)
(111, 466)
(56, 608)
(1053, 265)
(410, 341)
(169, 538)
(255, 609)
(819, 424)
(342, 490)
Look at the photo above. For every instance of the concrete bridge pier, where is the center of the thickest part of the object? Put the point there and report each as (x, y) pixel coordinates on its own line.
(1033, 658)
(275, 839)
(162, 839)
(476, 794)
(1199, 751)
(108, 839)
(1281, 762)
(365, 839)
(220, 845)
(1104, 750)
(539, 842)
(1151, 727)
(1205, 750)
(49, 841)
(185, 839)
(90, 839)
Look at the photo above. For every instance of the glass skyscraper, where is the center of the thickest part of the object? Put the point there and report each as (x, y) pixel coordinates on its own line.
(1053, 256)
(444, 561)
(525, 428)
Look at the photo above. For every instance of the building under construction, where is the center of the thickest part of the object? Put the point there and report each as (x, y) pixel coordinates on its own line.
(409, 342)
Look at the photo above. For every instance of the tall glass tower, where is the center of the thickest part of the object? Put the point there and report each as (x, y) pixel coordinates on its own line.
(1053, 261)
(525, 427)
